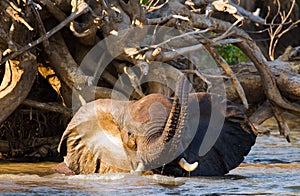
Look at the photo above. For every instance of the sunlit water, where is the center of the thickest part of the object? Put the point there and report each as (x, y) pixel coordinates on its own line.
(272, 168)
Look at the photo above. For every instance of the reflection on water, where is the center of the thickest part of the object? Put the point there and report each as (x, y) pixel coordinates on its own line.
(272, 167)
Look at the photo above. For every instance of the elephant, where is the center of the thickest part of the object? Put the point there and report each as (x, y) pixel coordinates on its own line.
(158, 134)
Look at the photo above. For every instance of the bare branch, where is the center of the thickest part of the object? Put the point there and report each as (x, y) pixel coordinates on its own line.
(52, 107)
(228, 31)
(40, 23)
(14, 14)
(283, 126)
(275, 35)
(153, 7)
(168, 56)
(81, 9)
(229, 72)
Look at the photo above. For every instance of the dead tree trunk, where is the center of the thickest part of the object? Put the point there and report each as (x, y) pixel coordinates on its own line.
(54, 37)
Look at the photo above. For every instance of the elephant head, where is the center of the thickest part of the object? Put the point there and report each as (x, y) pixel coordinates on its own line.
(113, 136)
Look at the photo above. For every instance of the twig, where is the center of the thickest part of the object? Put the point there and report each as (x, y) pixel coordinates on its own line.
(155, 21)
(171, 55)
(226, 41)
(216, 76)
(151, 9)
(237, 85)
(40, 23)
(151, 3)
(82, 8)
(274, 36)
(167, 56)
(134, 80)
(10, 3)
(15, 16)
(227, 32)
(293, 25)
(174, 38)
(53, 107)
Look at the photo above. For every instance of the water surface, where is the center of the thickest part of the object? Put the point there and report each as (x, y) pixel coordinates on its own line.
(271, 168)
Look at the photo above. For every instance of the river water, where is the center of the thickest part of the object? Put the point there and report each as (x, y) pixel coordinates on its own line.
(271, 168)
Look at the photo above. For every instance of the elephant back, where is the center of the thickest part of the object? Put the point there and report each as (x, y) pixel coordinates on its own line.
(230, 142)
(223, 137)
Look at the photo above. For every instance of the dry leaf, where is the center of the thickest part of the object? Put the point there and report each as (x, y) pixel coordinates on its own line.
(130, 51)
(224, 7)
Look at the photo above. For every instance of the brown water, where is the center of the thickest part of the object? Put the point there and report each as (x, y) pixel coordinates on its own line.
(272, 168)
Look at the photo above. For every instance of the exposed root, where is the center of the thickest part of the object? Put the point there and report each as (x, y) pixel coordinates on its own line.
(283, 126)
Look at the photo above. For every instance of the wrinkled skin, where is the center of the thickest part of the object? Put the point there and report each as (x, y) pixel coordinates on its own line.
(85, 152)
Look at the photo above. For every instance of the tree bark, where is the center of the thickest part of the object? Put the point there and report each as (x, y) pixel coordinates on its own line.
(18, 80)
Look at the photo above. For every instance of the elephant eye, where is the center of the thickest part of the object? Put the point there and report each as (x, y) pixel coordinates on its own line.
(131, 142)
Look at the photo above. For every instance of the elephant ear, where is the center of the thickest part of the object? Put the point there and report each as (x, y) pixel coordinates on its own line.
(224, 136)
(92, 141)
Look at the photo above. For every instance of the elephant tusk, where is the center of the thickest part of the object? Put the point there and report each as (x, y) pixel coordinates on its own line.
(187, 166)
(140, 167)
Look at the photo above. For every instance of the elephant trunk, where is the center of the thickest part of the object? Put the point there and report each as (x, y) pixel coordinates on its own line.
(177, 117)
(168, 144)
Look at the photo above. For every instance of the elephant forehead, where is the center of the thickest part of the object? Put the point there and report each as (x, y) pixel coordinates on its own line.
(94, 109)
(150, 107)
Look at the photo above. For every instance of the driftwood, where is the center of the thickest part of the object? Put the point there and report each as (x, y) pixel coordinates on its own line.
(14, 91)
(58, 35)
(286, 76)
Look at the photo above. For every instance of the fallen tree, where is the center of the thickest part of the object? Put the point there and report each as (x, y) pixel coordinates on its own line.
(52, 38)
